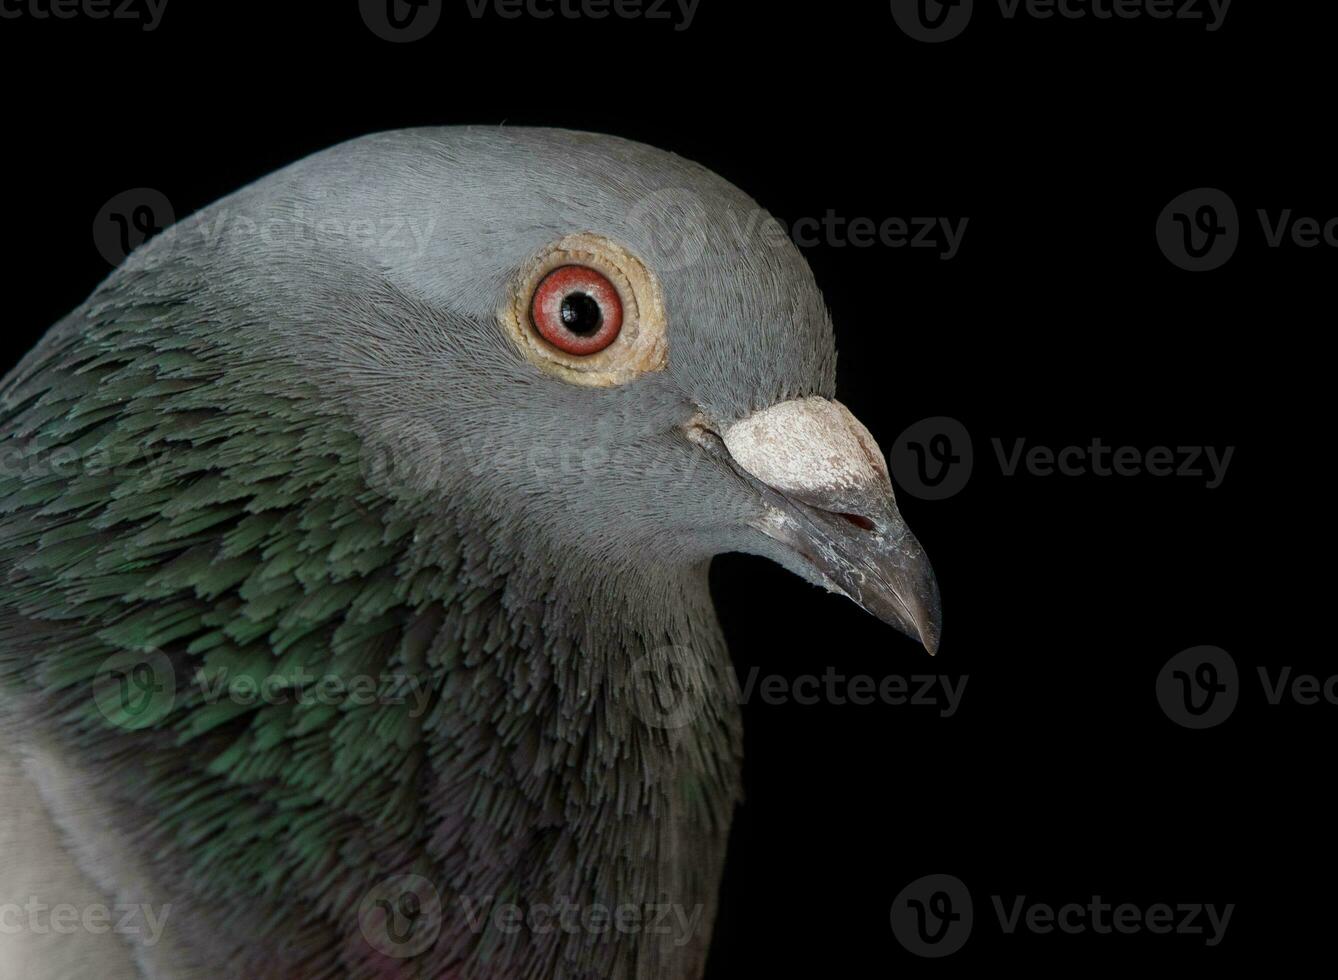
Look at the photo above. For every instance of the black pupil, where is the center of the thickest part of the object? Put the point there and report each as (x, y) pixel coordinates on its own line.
(581, 313)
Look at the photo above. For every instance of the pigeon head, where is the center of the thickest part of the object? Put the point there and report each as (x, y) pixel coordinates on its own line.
(588, 346)
(454, 419)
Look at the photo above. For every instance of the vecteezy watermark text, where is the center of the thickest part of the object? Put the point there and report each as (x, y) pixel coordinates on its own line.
(934, 916)
(676, 226)
(404, 21)
(35, 917)
(943, 235)
(934, 21)
(1206, 463)
(1200, 687)
(681, 12)
(1103, 918)
(149, 12)
(934, 459)
(671, 919)
(1200, 230)
(832, 687)
(137, 689)
(663, 694)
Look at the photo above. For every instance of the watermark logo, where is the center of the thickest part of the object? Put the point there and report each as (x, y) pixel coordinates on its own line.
(932, 21)
(1199, 230)
(403, 457)
(401, 916)
(381, 235)
(675, 227)
(130, 219)
(405, 21)
(134, 690)
(400, 21)
(671, 222)
(933, 459)
(1198, 688)
(932, 916)
(665, 689)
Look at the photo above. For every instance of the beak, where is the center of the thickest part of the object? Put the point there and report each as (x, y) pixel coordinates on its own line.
(829, 502)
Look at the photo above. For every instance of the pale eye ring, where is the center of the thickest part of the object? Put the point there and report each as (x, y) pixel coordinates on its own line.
(587, 310)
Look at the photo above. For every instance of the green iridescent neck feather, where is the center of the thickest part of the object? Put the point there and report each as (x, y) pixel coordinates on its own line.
(289, 686)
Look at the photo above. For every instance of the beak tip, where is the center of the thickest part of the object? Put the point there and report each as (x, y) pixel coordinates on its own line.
(927, 617)
(930, 639)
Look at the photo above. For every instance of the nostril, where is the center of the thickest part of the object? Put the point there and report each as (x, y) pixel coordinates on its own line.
(859, 520)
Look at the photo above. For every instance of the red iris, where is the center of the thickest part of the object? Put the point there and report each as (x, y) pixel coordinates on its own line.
(577, 310)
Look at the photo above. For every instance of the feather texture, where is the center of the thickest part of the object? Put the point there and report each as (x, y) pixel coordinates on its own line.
(310, 510)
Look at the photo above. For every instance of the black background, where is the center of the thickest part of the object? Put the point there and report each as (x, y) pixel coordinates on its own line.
(1060, 777)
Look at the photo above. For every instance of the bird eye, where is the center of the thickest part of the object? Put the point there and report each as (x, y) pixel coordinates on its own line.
(577, 310)
(588, 311)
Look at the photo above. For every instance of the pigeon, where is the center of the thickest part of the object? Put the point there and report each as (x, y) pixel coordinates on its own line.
(355, 535)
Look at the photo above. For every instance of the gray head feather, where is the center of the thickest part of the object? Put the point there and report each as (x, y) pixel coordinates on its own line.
(358, 467)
